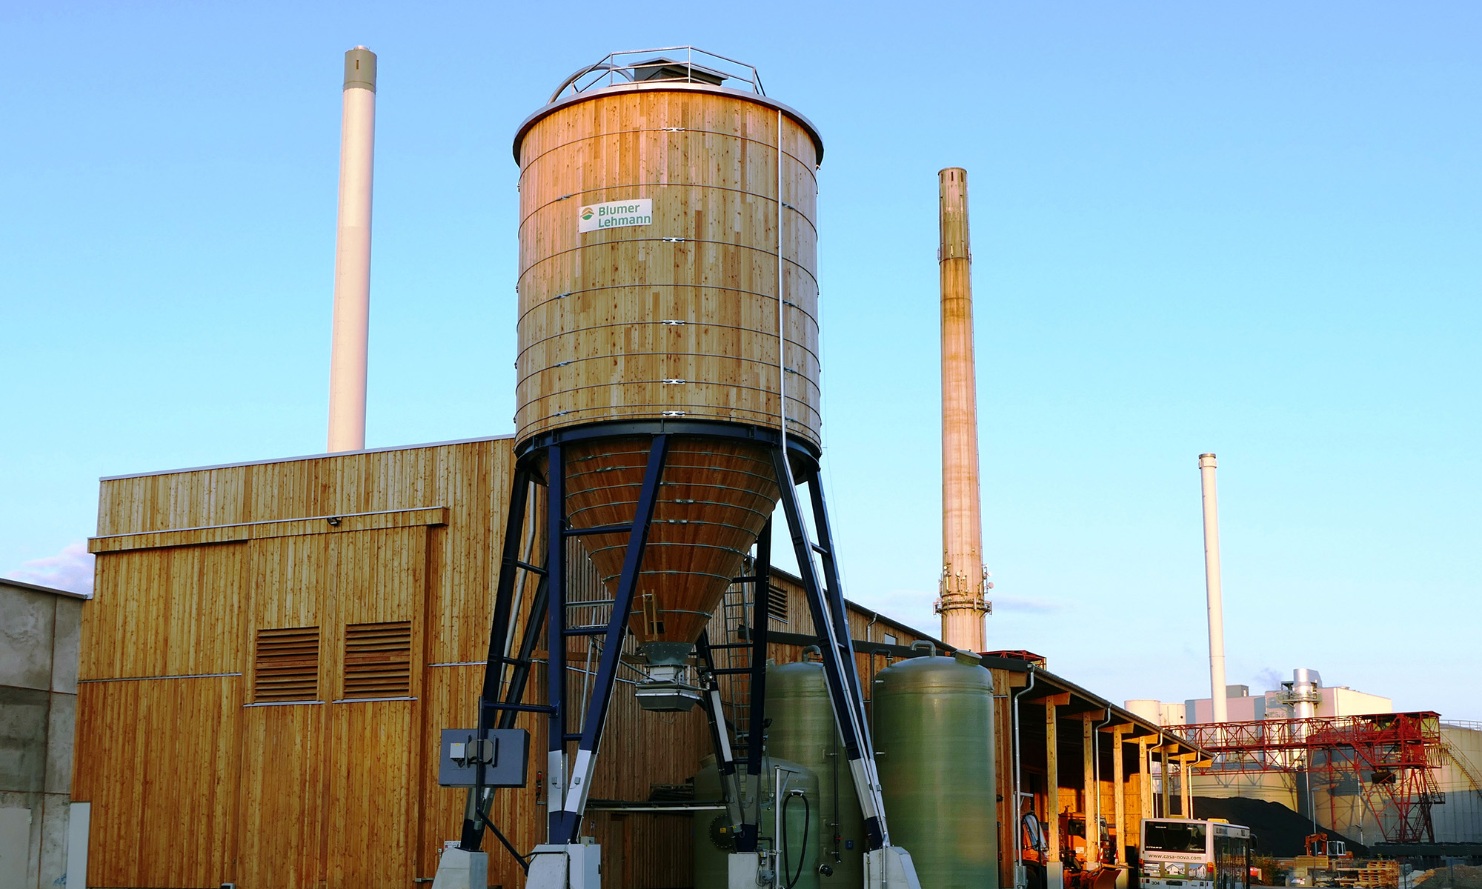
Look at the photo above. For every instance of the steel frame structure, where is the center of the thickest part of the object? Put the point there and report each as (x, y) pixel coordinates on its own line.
(569, 773)
(1390, 758)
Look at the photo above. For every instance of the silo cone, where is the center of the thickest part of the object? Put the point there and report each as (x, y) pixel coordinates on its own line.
(934, 745)
(804, 732)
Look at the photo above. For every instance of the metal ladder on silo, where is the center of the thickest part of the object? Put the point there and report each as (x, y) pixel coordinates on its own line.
(732, 660)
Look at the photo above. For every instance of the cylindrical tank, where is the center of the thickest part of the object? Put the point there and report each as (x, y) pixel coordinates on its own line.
(651, 273)
(797, 865)
(804, 732)
(934, 740)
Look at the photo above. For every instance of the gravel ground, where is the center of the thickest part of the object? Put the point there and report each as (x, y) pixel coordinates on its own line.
(1457, 877)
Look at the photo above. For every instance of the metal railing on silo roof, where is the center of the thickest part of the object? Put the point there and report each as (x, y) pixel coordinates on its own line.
(684, 64)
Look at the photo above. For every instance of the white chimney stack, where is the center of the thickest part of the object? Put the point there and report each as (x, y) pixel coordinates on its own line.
(1212, 587)
(347, 364)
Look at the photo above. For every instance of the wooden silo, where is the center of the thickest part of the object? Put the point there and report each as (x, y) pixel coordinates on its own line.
(667, 233)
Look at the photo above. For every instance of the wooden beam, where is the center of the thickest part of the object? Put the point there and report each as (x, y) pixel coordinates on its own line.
(1167, 784)
(1145, 778)
(338, 524)
(1119, 793)
(1051, 700)
(1008, 801)
(1186, 792)
(1052, 780)
(1090, 793)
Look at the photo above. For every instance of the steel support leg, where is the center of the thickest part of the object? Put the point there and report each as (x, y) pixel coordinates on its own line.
(472, 834)
(565, 821)
(555, 635)
(746, 839)
(838, 658)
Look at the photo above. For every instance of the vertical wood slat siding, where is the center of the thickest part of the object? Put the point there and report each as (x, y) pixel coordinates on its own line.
(165, 612)
(157, 760)
(370, 818)
(281, 835)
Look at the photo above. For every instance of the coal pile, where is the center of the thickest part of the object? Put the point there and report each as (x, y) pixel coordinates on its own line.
(1279, 832)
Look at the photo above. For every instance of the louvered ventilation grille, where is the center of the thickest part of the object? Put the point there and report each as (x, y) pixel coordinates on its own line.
(776, 603)
(378, 660)
(287, 665)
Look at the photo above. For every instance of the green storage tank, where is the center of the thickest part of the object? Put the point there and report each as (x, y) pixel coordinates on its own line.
(934, 742)
(804, 732)
(712, 828)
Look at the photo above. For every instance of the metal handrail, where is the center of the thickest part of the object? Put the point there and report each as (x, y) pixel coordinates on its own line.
(622, 64)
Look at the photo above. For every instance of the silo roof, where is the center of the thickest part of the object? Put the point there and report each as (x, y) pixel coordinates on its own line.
(662, 72)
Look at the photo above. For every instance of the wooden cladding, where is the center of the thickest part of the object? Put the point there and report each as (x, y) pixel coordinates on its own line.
(286, 665)
(706, 310)
(378, 660)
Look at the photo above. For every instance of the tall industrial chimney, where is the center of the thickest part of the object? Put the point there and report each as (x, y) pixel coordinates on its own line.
(352, 255)
(1212, 586)
(962, 602)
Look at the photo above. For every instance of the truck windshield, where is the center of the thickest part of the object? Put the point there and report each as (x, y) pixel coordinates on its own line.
(1161, 836)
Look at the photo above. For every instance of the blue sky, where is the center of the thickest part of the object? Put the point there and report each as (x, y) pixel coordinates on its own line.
(1252, 229)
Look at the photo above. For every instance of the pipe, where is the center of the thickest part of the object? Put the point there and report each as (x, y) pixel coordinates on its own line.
(1096, 781)
(781, 328)
(962, 602)
(1212, 587)
(351, 326)
(1018, 799)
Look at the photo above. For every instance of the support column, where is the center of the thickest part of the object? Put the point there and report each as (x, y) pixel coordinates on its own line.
(1144, 778)
(1052, 783)
(1186, 792)
(1119, 794)
(1090, 793)
(1166, 776)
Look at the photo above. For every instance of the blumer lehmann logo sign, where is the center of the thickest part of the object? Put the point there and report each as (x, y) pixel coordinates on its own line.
(615, 214)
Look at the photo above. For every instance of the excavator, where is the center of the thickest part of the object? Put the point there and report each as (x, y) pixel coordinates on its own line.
(1081, 871)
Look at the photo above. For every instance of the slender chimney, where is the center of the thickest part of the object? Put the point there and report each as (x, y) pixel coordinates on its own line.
(1212, 586)
(962, 602)
(352, 255)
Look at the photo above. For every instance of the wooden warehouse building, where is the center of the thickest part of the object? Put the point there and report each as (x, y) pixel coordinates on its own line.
(273, 648)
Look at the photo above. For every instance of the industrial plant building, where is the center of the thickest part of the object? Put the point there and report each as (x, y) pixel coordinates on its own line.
(1404, 784)
(273, 648)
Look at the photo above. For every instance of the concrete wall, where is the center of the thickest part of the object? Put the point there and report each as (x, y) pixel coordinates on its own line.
(1343, 701)
(39, 629)
(1459, 819)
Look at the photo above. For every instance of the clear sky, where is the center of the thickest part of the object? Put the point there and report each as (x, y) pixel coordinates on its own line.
(1249, 228)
